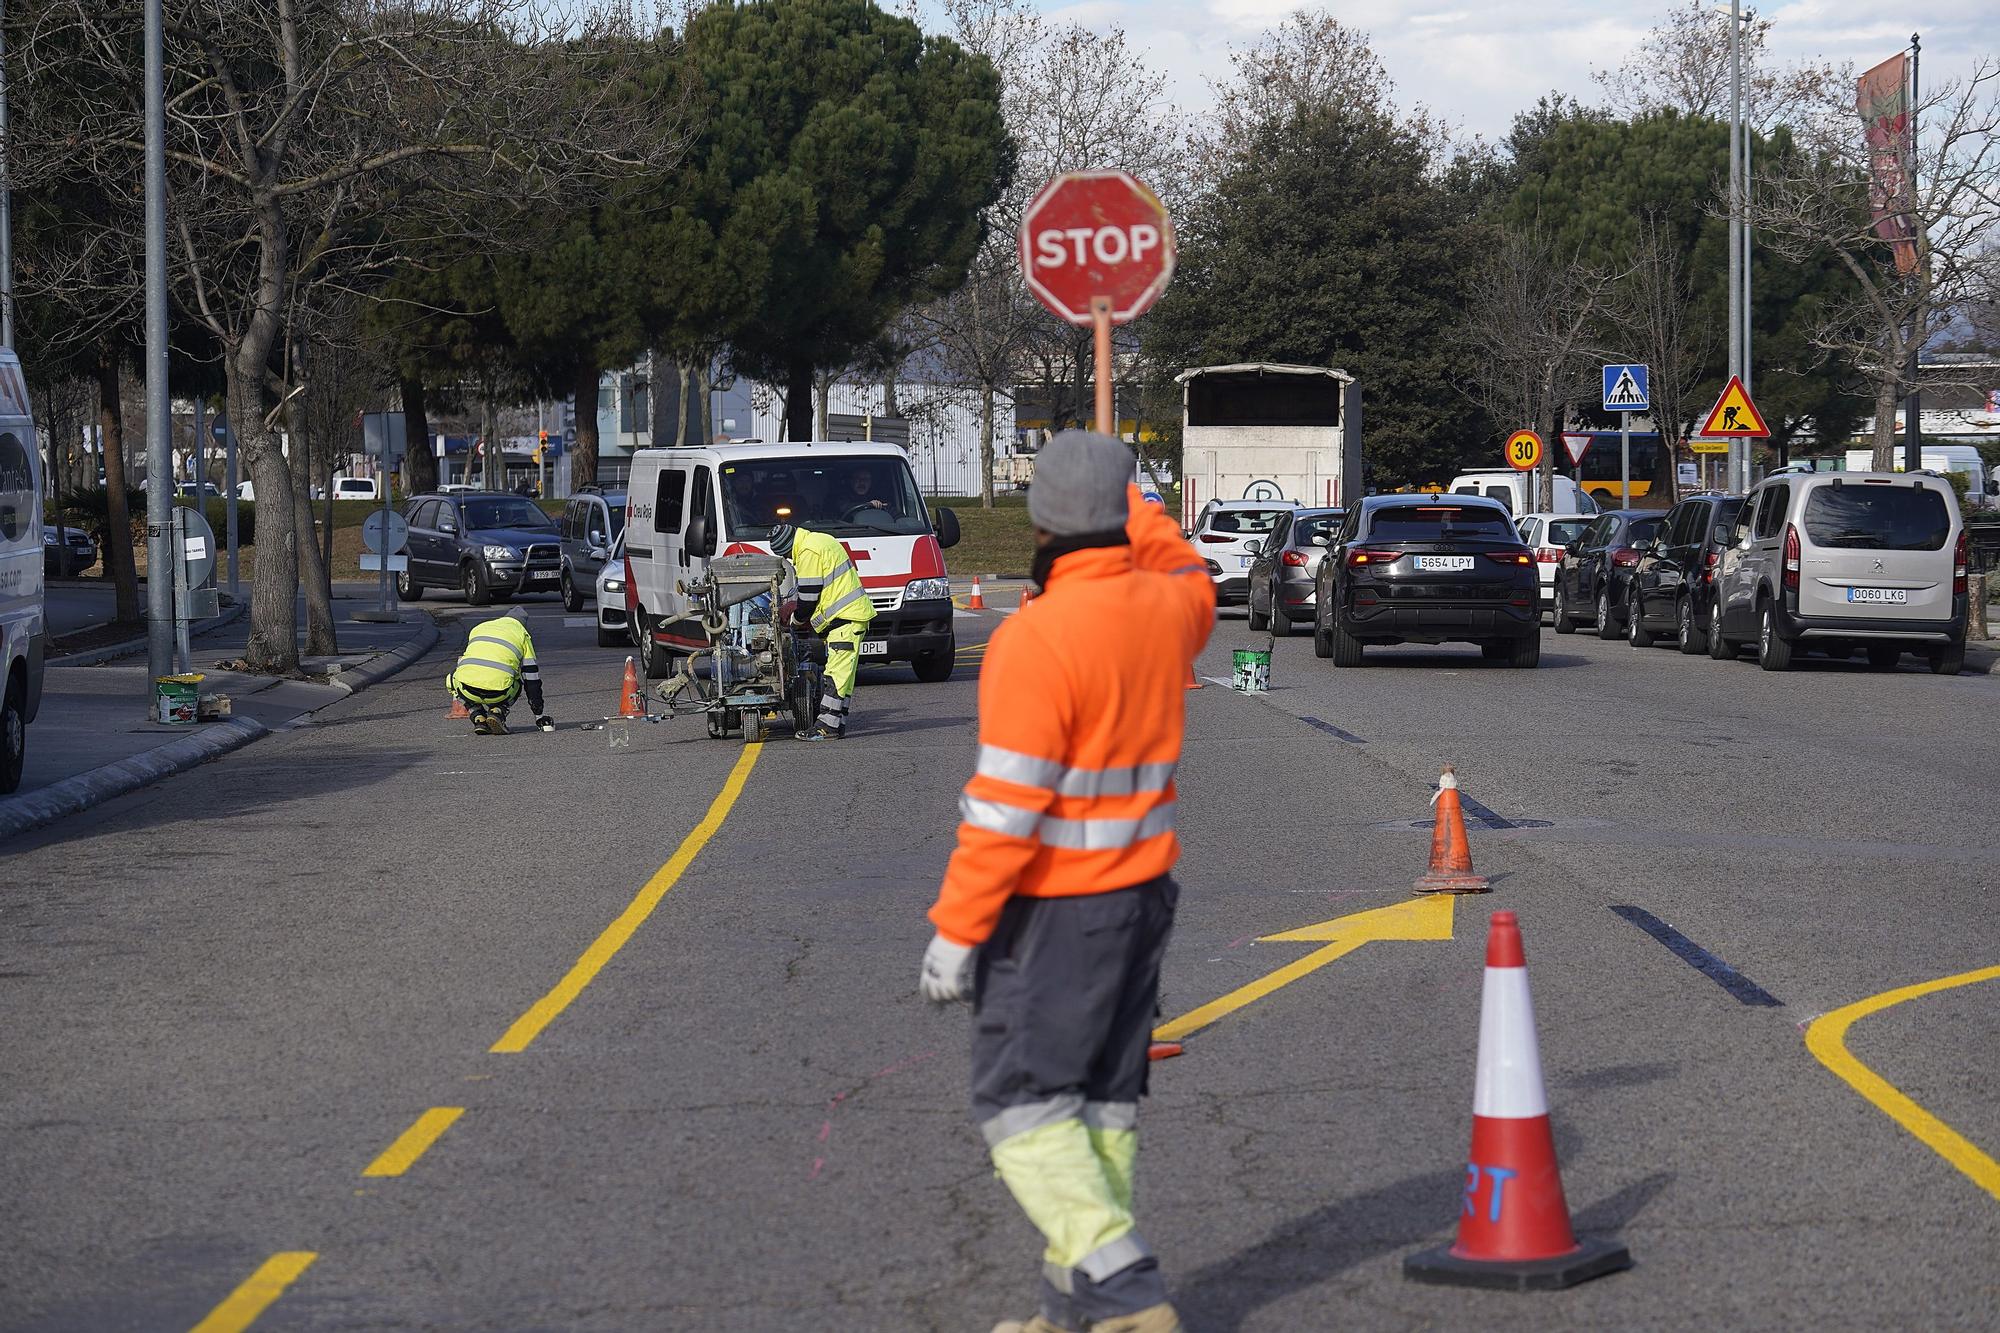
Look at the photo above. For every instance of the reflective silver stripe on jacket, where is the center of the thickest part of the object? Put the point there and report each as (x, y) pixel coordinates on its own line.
(1009, 820)
(511, 668)
(1023, 770)
(1103, 835)
(503, 643)
(1028, 771)
(826, 614)
(1034, 1115)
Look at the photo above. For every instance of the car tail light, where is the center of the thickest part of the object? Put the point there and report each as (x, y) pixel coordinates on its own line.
(1296, 559)
(1624, 557)
(1958, 566)
(1363, 556)
(1212, 537)
(1549, 555)
(1791, 558)
(1511, 557)
(1709, 560)
(631, 594)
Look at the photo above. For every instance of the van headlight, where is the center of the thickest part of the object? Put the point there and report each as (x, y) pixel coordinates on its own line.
(502, 553)
(927, 590)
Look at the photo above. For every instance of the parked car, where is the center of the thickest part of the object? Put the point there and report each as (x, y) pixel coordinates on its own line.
(486, 544)
(1546, 535)
(1428, 569)
(188, 490)
(614, 625)
(357, 488)
(1845, 560)
(1226, 533)
(1674, 581)
(1596, 566)
(1515, 490)
(1281, 575)
(66, 550)
(591, 521)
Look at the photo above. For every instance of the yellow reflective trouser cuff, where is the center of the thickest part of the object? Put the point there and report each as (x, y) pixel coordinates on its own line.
(1056, 1176)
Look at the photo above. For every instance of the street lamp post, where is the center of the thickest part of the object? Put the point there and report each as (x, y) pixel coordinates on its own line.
(159, 443)
(1739, 450)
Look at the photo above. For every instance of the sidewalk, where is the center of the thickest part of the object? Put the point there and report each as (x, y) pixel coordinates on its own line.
(95, 737)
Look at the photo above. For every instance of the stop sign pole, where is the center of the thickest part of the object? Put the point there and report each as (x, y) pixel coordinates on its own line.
(1097, 248)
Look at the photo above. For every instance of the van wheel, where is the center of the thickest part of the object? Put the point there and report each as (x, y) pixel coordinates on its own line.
(935, 666)
(1636, 632)
(1719, 648)
(1563, 621)
(13, 734)
(1773, 653)
(1693, 639)
(407, 587)
(1607, 624)
(1948, 661)
(477, 593)
(571, 600)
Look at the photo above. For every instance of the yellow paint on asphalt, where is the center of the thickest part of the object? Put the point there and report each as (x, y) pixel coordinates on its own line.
(414, 1142)
(1827, 1039)
(1417, 919)
(606, 946)
(244, 1304)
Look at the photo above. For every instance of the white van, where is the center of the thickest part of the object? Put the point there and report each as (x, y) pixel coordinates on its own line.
(1942, 458)
(23, 633)
(356, 488)
(685, 505)
(1514, 489)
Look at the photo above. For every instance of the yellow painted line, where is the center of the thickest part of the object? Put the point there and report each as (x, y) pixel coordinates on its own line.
(1827, 1039)
(606, 946)
(242, 1306)
(1256, 990)
(414, 1142)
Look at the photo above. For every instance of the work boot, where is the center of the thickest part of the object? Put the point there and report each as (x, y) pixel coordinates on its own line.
(1039, 1324)
(482, 722)
(819, 733)
(1153, 1319)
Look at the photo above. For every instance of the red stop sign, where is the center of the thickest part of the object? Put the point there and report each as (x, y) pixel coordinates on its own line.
(1088, 234)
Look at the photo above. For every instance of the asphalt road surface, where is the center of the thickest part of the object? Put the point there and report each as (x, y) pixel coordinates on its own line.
(227, 997)
(70, 607)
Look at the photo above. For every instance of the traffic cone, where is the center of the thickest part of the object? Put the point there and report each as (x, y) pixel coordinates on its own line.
(1163, 1050)
(1451, 855)
(976, 602)
(457, 711)
(1193, 681)
(629, 702)
(1513, 1224)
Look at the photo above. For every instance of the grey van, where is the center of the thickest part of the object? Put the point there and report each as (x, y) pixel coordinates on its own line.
(1840, 561)
(590, 523)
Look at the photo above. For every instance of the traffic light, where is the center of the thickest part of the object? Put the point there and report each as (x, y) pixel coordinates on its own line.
(541, 448)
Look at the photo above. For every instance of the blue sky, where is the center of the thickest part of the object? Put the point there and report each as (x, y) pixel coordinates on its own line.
(1480, 61)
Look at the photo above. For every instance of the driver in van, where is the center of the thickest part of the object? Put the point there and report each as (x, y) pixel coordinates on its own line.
(861, 492)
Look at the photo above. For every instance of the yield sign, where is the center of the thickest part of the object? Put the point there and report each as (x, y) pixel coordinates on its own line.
(1091, 234)
(1734, 416)
(1576, 445)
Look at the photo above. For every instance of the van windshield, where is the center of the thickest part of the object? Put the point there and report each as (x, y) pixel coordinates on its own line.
(1876, 517)
(856, 496)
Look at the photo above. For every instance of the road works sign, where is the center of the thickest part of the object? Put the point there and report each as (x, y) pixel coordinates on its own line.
(1735, 416)
(1627, 388)
(1524, 450)
(1090, 234)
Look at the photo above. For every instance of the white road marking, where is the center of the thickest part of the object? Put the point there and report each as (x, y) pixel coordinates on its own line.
(579, 622)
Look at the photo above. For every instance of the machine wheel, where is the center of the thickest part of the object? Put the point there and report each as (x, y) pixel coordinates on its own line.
(477, 591)
(753, 726)
(1636, 632)
(13, 734)
(1560, 618)
(717, 728)
(934, 667)
(1607, 624)
(1693, 639)
(1719, 648)
(1250, 608)
(805, 708)
(1773, 653)
(1525, 653)
(1281, 624)
(571, 600)
(1346, 648)
(1948, 661)
(407, 587)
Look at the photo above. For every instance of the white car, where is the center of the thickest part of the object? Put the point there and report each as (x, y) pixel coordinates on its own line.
(356, 488)
(1546, 535)
(1226, 535)
(613, 630)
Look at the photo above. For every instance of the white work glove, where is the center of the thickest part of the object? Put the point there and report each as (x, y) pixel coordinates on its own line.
(947, 974)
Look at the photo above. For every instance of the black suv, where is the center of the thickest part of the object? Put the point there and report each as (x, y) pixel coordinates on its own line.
(1674, 581)
(1594, 569)
(485, 543)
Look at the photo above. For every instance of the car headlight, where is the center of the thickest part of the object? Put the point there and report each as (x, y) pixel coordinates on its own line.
(926, 590)
(614, 585)
(502, 553)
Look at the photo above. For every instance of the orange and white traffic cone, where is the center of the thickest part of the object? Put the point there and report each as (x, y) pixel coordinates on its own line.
(1451, 855)
(1513, 1224)
(629, 702)
(457, 712)
(976, 602)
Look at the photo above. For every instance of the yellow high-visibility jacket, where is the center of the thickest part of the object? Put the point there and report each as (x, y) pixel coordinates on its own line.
(499, 658)
(829, 588)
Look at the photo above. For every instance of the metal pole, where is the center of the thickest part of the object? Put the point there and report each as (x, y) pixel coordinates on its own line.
(183, 651)
(200, 457)
(1913, 407)
(1625, 458)
(1100, 318)
(159, 442)
(1737, 448)
(229, 499)
(6, 204)
(382, 484)
(1748, 316)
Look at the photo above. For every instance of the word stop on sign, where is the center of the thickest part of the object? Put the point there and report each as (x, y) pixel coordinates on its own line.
(1104, 245)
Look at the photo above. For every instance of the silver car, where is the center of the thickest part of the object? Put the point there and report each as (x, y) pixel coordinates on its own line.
(1283, 575)
(1839, 561)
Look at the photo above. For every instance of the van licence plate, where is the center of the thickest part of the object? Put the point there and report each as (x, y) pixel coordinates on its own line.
(1444, 563)
(1878, 596)
(874, 647)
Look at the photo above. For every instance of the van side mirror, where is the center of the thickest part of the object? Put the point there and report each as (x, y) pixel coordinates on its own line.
(700, 541)
(946, 523)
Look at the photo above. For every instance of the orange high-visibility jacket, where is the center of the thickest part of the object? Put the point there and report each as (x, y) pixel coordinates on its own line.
(1080, 721)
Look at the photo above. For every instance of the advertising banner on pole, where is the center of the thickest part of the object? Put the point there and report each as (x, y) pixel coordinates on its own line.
(1882, 97)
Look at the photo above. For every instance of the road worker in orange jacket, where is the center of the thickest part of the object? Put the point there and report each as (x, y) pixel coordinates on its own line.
(1057, 904)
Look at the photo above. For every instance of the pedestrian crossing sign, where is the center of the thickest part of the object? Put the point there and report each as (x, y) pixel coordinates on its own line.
(1626, 388)
(1734, 416)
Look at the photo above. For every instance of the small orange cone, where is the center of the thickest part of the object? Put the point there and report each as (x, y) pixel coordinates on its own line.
(1193, 681)
(1514, 1227)
(1451, 855)
(1163, 1050)
(629, 702)
(976, 602)
(457, 711)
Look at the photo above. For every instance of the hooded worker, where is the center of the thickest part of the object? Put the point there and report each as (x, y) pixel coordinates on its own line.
(1056, 907)
(498, 664)
(836, 606)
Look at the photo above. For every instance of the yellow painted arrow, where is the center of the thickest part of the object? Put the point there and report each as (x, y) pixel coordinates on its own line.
(1418, 919)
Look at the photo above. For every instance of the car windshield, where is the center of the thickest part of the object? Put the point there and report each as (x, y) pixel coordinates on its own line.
(856, 496)
(1244, 522)
(1563, 531)
(1435, 522)
(1869, 517)
(483, 515)
(1306, 529)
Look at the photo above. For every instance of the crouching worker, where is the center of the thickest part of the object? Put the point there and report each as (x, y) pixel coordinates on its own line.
(498, 664)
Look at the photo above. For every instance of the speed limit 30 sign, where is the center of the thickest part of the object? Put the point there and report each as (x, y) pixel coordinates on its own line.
(1524, 450)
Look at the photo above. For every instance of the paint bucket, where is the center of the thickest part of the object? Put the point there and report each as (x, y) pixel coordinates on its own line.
(1252, 670)
(179, 698)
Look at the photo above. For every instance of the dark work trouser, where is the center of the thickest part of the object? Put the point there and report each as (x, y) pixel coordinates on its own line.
(1068, 989)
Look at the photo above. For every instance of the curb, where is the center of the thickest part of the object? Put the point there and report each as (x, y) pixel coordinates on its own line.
(131, 646)
(72, 795)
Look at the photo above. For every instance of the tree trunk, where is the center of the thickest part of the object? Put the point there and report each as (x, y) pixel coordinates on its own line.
(419, 464)
(118, 557)
(890, 408)
(320, 638)
(986, 445)
(822, 403)
(676, 423)
(493, 470)
(799, 401)
(583, 456)
(695, 386)
(326, 533)
(1887, 395)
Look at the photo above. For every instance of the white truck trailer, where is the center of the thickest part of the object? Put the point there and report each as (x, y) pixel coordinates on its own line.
(1259, 431)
